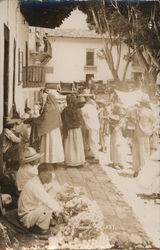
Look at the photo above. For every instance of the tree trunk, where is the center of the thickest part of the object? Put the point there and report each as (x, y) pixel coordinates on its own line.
(150, 84)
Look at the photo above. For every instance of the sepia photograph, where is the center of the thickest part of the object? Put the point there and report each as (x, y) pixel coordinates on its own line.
(79, 124)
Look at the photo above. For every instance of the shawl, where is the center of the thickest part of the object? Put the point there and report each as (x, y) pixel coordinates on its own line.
(71, 116)
(50, 117)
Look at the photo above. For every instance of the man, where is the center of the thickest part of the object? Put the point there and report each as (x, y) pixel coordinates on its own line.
(36, 205)
(90, 117)
(28, 168)
(11, 142)
(143, 131)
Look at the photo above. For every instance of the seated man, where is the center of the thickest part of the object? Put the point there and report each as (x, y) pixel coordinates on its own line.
(11, 142)
(28, 168)
(36, 205)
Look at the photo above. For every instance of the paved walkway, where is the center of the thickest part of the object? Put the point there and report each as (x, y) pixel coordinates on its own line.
(121, 225)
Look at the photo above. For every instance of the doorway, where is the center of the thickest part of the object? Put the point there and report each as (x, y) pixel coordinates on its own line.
(6, 72)
(14, 65)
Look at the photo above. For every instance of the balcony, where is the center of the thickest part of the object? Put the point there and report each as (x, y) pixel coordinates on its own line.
(42, 56)
(33, 76)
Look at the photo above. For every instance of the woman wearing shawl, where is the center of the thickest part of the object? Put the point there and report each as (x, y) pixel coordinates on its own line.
(72, 134)
(47, 127)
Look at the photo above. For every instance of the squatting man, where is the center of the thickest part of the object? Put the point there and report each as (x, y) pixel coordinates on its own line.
(37, 205)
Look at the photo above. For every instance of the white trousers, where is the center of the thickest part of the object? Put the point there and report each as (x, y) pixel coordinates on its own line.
(40, 216)
(93, 143)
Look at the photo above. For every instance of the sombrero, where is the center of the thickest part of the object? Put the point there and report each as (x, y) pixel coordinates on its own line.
(30, 155)
(10, 121)
(114, 117)
(144, 99)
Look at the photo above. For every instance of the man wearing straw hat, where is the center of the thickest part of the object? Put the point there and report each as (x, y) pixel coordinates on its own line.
(144, 129)
(36, 206)
(11, 142)
(90, 117)
(28, 168)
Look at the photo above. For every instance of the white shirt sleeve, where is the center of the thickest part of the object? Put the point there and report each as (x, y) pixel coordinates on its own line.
(41, 194)
(11, 136)
(32, 171)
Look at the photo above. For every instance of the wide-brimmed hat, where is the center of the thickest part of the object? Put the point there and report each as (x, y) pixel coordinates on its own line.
(30, 155)
(86, 92)
(144, 99)
(101, 101)
(10, 121)
(114, 117)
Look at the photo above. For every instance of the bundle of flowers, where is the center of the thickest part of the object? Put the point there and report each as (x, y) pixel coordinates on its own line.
(69, 192)
(85, 223)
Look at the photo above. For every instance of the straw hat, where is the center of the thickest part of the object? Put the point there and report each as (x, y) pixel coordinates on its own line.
(10, 121)
(86, 92)
(101, 101)
(114, 117)
(144, 99)
(30, 155)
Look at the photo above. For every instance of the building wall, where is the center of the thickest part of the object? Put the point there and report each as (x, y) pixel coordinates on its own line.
(69, 60)
(11, 16)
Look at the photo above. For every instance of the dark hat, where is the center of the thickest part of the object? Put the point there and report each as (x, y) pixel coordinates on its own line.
(27, 109)
(81, 99)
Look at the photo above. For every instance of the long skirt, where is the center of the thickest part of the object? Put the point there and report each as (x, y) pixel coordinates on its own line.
(52, 147)
(140, 150)
(118, 147)
(74, 148)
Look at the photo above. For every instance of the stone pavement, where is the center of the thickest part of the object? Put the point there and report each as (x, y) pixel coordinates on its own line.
(121, 225)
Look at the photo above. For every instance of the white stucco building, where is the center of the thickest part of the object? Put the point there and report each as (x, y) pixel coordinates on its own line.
(77, 56)
(13, 56)
(76, 53)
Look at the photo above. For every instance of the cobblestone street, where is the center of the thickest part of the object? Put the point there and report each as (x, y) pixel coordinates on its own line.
(121, 224)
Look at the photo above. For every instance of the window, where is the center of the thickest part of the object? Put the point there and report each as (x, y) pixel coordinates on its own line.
(90, 57)
(136, 76)
(20, 66)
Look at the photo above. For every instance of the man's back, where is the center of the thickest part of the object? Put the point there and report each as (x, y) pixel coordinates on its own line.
(34, 195)
(90, 116)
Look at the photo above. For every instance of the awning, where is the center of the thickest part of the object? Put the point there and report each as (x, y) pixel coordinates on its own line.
(129, 99)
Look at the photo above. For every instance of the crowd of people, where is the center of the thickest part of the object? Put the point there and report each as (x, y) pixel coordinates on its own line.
(71, 137)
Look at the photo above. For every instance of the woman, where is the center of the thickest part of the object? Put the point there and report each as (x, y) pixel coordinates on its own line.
(118, 145)
(104, 125)
(72, 134)
(47, 128)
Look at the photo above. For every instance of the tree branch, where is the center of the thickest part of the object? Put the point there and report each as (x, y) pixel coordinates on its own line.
(119, 49)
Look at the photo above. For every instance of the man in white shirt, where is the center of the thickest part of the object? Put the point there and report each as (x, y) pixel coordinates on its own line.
(90, 117)
(144, 129)
(11, 142)
(36, 205)
(28, 168)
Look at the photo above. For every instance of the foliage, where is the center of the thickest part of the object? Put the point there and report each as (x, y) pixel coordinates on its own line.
(135, 23)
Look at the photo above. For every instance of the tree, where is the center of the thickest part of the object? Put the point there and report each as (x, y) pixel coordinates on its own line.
(137, 24)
